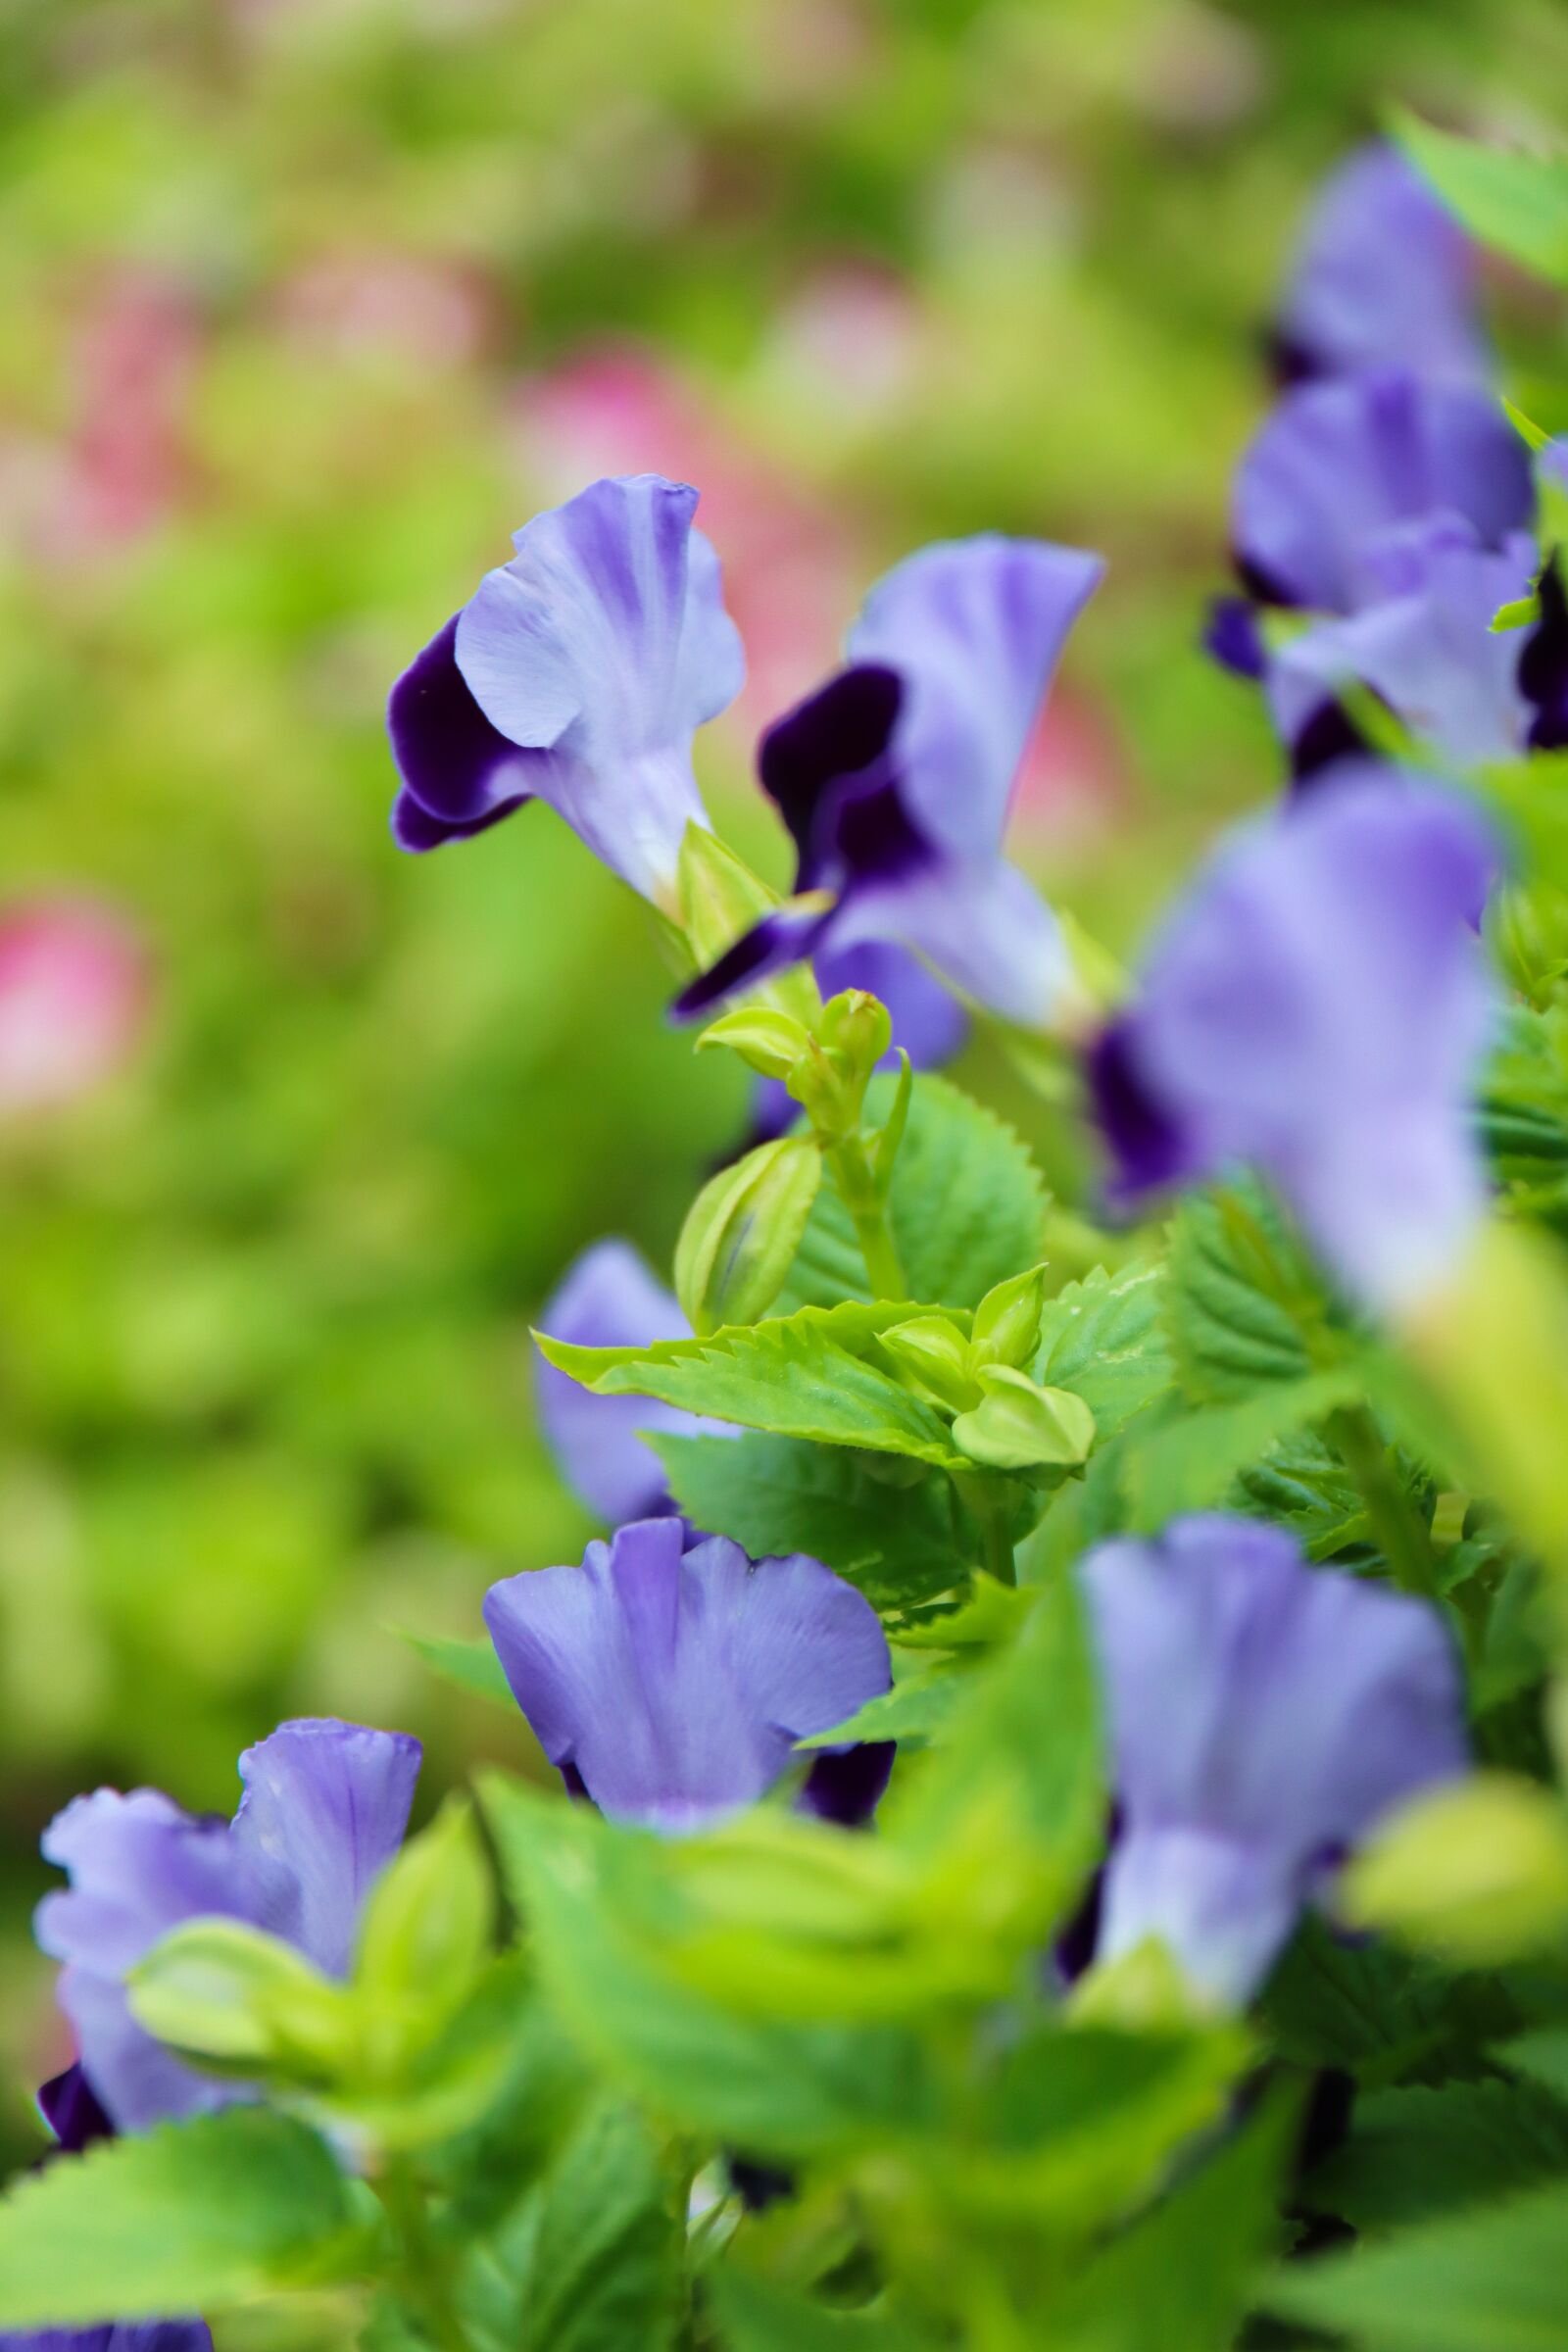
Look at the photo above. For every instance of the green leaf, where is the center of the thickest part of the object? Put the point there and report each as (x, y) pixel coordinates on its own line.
(901, 1545)
(1541, 2056)
(1421, 2151)
(1516, 202)
(966, 1206)
(916, 1708)
(590, 2259)
(472, 1665)
(1104, 1339)
(1491, 2281)
(788, 2089)
(757, 2317)
(1378, 2012)
(1186, 1465)
(187, 2217)
(806, 1375)
(1241, 1296)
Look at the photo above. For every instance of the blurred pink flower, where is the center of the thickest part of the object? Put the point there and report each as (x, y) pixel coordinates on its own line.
(790, 563)
(850, 333)
(433, 310)
(74, 999)
(124, 462)
(1074, 784)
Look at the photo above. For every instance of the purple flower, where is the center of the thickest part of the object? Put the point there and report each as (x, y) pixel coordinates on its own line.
(608, 1298)
(1384, 277)
(1337, 498)
(895, 777)
(669, 1680)
(1263, 1714)
(1429, 652)
(1315, 1009)
(324, 1809)
(577, 674)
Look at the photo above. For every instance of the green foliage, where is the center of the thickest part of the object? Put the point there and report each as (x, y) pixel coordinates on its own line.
(1104, 1339)
(755, 2316)
(1242, 1302)
(1516, 202)
(742, 1232)
(193, 2216)
(1495, 2280)
(1420, 2151)
(966, 1206)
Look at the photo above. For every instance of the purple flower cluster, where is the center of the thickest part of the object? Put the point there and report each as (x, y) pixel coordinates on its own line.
(1389, 498)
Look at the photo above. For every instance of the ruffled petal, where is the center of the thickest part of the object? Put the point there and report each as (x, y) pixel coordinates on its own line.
(459, 773)
(324, 1810)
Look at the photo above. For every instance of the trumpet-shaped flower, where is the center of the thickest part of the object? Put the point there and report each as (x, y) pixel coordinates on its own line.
(1263, 1715)
(1315, 1008)
(324, 1809)
(669, 1680)
(895, 778)
(575, 674)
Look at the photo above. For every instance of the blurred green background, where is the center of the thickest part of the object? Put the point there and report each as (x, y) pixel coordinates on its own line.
(306, 303)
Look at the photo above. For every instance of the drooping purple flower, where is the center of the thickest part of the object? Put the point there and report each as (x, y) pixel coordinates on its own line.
(1315, 1009)
(1336, 495)
(609, 1299)
(895, 778)
(669, 1680)
(577, 674)
(1385, 276)
(1263, 1715)
(1429, 652)
(324, 1809)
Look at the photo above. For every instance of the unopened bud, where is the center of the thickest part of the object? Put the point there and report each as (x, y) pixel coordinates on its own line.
(931, 1355)
(740, 1238)
(1476, 1871)
(769, 1041)
(1017, 1426)
(1007, 1321)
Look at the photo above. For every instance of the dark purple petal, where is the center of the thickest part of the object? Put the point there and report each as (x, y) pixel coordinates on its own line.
(675, 1682)
(1231, 634)
(1317, 1008)
(1264, 1714)
(1543, 663)
(324, 1810)
(1345, 467)
(787, 936)
(609, 1299)
(123, 2336)
(459, 773)
(839, 732)
(847, 1785)
(69, 2107)
(1147, 1147)
(1385, 276)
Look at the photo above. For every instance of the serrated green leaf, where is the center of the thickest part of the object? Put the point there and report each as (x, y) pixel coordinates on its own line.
(1104, 1338)
(1187, 1464)
(966, 1206)
(1240, 1296)
(472, 1665)
(901, 1545)
(185, 2217)
(1423, 2150)
(915, 1709)
(1376, 2011)
(590, 2259)
(804, 1375)
(1515, 202)
(1542, 2056)
(1491, 2281)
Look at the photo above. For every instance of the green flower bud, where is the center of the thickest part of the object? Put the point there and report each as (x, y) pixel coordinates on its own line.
(932, 1356)
(769, 1041)
(1017, 1426)
(857, 1025)
(1477, 1872)
(1007, 1321)
(829, 1083)
(243, 2003)
(740, 1238)
(720, 898)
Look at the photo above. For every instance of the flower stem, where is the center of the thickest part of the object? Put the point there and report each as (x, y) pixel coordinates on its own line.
(422, 2266)
(856, 1186)
(990, 1501)
(1405, 1542)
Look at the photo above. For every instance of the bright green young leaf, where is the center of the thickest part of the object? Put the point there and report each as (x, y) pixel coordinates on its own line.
(1508, 199)
(966, 1206)
(916, 1708)
(426, 1931)
(759, 2316)
(472, 1665)
(1104, 1339)
(1495, 2280)
(189, 2217)
(807, 1375)
(242, 2002)
(902, 1543)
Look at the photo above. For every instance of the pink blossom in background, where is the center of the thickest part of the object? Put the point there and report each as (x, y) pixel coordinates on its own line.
(850, 333)
(74, 999)
(1074, 785)
(428, 308)
(790, 564)
(123, 463)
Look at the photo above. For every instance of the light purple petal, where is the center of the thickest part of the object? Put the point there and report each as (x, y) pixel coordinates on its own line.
(1344, 464)
(139, 1865)
(974, 629)
(324, 1810)
(604, 644)
(609, 1299)
(1316, 1007)
(1263, 1716)
(137, 2081)
(673, 1683)
(1431, 653)
(981, 922)
(1385, 276)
